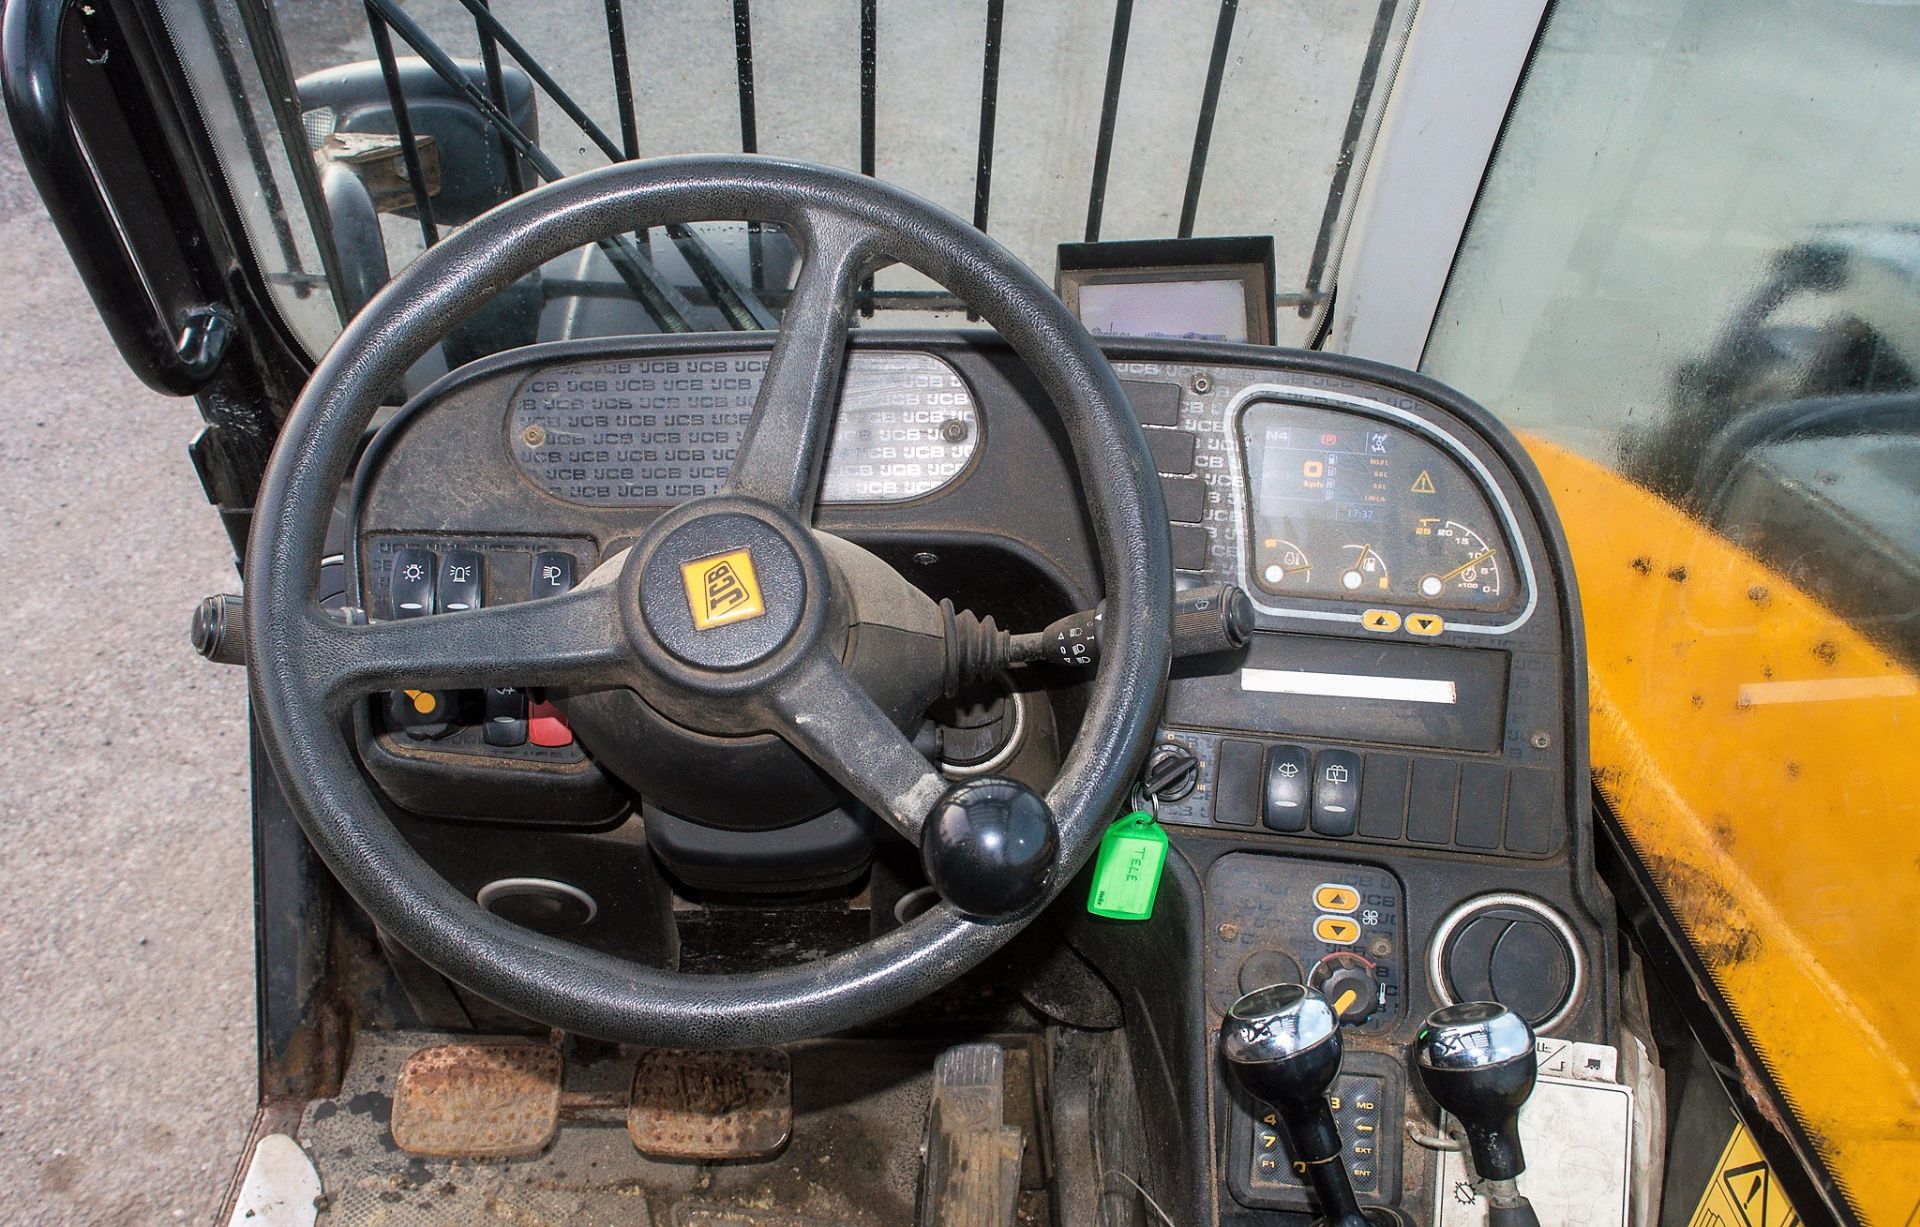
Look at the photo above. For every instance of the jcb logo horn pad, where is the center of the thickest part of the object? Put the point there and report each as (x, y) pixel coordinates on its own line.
(722, 589)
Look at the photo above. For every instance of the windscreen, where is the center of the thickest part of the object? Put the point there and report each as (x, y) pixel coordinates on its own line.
(1040, 123)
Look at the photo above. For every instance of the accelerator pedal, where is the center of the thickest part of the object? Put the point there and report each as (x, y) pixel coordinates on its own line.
(972, 1173)
(711, 1105)
(478, 1101)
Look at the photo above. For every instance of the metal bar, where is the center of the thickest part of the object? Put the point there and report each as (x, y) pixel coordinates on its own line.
(497, 90)
(623, 96)
(989, 104)
(257, 151)
(742, 306)
(277, 80)
(869, 82)
(1349, 144)
(743, 72)
(403, 124)
(1109, 111)
(657, 296)
(484, 17)
(1209, 101)
(734, 299)
(749, 128)
(911, 300)
(622, 79)
(869, 124)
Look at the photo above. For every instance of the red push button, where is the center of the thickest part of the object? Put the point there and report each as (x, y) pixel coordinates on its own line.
(546, 726)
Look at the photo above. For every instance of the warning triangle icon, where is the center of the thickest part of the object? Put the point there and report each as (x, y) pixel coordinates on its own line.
(1423, 484)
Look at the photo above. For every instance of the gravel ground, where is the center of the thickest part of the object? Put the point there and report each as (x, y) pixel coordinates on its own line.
(126, 940)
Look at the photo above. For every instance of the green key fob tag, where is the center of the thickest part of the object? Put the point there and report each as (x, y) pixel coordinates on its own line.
(1126, 872)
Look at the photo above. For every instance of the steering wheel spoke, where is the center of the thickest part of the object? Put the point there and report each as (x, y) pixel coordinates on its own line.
(823, 713)
(780, 459)
(569, 640)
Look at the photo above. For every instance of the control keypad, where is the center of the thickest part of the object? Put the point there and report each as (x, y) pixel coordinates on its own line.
(1261, 1171)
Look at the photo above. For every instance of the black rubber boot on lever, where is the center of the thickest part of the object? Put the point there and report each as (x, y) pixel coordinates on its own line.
(1216, 618)
(1477, 1061)
(1282, 1045)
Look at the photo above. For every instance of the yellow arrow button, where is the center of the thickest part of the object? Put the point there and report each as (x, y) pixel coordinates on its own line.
(1336, 930)
(1333, 897)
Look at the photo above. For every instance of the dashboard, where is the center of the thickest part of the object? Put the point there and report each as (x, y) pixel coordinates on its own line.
(1384, 795)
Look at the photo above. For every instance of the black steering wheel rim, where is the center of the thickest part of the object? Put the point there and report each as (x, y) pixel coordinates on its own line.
(294, 644)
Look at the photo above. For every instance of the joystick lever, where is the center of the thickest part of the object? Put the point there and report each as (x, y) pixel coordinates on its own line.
(1282, 1044)
(1477, 1061)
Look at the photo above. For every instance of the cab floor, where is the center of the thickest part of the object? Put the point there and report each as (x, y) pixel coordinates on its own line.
(853, 1159)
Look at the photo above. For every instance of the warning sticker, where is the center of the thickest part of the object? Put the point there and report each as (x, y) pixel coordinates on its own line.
(1741, 1191)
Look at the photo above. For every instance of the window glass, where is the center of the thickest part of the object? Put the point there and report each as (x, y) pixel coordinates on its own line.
(1299, 93)
(1692, 284)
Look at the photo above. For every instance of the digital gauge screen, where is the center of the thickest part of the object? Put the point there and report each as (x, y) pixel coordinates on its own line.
(657, 431)
(1352, 508)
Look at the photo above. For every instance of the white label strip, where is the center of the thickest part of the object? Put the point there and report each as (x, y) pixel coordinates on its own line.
(1349, 685)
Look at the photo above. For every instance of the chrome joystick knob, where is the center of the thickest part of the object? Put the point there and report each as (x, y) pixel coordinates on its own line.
(1282, 1045)
(1477, 1061)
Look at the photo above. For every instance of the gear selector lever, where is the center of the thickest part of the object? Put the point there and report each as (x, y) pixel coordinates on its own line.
(1476, 1059)
(1282, 1043)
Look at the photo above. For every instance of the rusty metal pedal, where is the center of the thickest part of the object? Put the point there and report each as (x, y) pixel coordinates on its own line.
(478, 1100)
(972, 1173)
(711, 1105)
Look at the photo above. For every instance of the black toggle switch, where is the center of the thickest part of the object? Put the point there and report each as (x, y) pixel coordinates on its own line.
(505, 714)
(414, 586)
(415, 573)
(552, 574)
(1289, 788)
(460, 587)
(1336, 792)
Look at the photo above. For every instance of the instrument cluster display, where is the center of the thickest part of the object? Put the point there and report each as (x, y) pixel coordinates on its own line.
(1352, 508)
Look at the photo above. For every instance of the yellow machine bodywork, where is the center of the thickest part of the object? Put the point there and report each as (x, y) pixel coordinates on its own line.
(1760, 755)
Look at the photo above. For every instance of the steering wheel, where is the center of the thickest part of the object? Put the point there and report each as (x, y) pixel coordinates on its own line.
(633, 623)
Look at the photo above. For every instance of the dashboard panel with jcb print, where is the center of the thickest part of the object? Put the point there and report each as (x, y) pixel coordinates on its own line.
(1383, 795)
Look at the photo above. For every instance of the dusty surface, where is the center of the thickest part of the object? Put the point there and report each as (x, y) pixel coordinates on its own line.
(126, 941)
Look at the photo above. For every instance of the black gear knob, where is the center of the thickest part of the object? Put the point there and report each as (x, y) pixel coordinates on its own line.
(1477, 1061)
(1282, 1045)
(989, 847)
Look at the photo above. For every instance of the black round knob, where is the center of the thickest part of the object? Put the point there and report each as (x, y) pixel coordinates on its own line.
(989, 847)
(1477, 1061)
(219, 630)
(1264, 967)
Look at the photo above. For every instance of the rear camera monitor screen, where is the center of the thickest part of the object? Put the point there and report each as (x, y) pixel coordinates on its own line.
(1209, 310)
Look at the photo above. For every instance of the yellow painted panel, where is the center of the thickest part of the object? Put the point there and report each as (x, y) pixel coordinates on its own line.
(1764, 758)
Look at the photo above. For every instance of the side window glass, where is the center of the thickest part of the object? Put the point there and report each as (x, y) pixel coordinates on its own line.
(1692, 286)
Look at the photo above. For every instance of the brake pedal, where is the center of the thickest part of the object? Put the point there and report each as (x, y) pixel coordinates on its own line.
(711, 1105)
(972, 1172)
(478, 1101)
